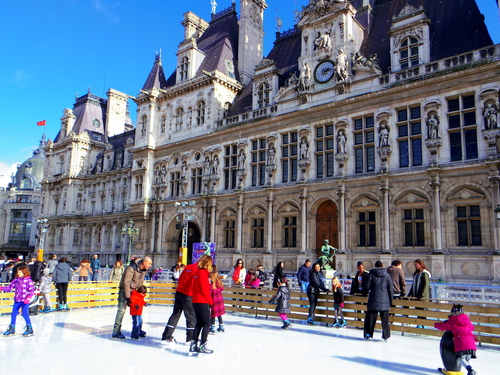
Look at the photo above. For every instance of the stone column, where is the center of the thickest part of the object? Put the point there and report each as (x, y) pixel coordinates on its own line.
(342, 219)
(8, 220)
(239, 230)
(113, 239)
(159, 243)
(386, 246)
(303, 223)
(269, 239)
(204, 220)
(436, 208)
(213, 207)
(103, 238)
(92, 242)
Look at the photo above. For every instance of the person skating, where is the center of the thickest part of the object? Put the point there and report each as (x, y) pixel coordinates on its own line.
(464, 340)
(61, 276)
(45, 290)
(338, 303)
(24, 290)
(137, 302)
(316, 285)
(217, 309)
(282, 299)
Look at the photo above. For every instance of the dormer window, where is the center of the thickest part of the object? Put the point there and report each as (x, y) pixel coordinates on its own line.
(200, 113)
(179, 114)
(408, 53)
(263, 93)
(184, 68)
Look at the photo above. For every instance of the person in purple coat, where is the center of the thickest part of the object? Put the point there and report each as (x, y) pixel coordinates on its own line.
(24, 290)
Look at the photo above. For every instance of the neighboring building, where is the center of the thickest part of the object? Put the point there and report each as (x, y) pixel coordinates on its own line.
(20, 205)
(372, 123)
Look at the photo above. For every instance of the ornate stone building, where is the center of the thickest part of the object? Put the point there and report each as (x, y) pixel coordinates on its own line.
(371, 123)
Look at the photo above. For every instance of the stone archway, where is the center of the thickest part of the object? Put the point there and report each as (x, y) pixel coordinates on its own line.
(327, 225)
(194, 235)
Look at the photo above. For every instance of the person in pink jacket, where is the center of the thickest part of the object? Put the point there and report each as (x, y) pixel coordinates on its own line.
(464, 340)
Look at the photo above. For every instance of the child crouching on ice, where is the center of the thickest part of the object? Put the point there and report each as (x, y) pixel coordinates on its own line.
(24, 290)
(282, 299)
(338, 303)
(137, 302)
(464, 340)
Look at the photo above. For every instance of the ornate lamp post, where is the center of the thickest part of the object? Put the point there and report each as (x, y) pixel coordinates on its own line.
(185, 211)
(130, 231)
(43, 226)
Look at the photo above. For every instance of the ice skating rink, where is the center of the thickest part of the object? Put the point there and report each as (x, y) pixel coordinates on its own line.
(78, 342)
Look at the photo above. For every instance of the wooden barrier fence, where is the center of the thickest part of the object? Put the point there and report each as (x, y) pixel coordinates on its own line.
(405, 314)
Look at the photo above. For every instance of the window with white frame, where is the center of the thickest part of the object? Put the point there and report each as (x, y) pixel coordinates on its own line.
(200, 113)
(289, 231)
(413, 227)
(196, 180)
(229, 233)
(184, 68)
(367, 236)
(258, 162)
(175, 184)
(364, 144)
(179, 118)
(409, 127)
(258, 232)
(230, 166)
(263, 94)
(289, 156)
(325, 141)
(462, 127)
(468, 219)
(408, 53)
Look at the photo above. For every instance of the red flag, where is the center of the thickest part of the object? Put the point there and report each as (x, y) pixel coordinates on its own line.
(41, 123)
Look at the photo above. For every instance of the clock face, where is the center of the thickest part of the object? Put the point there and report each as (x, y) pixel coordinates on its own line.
(96, 123)
(324, 71)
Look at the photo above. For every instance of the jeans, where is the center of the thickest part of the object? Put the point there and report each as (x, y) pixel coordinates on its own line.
(202, 311)
(136, 325)
(25, 311)
(182, 303)
(122, 308)
(303, 287)
(95, 273)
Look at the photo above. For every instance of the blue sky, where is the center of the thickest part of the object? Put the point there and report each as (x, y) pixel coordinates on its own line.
(53, 50)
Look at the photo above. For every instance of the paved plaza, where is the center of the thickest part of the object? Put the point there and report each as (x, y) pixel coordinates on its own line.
(78, 342)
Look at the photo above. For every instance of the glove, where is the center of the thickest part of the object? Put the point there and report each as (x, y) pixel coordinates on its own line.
(27, 301)
(137, 307)
(128, 302)
(342, 304)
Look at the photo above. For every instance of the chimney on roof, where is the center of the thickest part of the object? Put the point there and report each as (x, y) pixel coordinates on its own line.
(194, 26)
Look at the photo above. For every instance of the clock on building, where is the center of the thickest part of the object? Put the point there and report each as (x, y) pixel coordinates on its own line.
(96, 123)
(324, 71)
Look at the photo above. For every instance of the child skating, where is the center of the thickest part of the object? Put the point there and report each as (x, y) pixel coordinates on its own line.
(137, 302)
(217, 309)
(338, 303)
(463, 339)
(24, 290)
(45, 290)
(282, 299)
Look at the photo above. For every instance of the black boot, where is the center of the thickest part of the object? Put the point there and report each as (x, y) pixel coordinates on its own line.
(193, 347)
(203, 349)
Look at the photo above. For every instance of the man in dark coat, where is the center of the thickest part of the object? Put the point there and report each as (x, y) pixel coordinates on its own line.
(379, 301)
(398, 278)
(359, 284)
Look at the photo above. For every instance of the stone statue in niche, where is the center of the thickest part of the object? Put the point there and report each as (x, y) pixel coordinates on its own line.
(270, 155)
(341, 140)
(342, 66)
(304, 148)
(241, 160)
(383, 135)
(215, 165)
(305, 77)
(207, 166)
(323, 40)
(432, 127)
(490, 116)
(183, 170)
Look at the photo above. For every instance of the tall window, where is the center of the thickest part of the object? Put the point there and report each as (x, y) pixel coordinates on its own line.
(289, 152)
(258, 163)
(113, 202)
(200, 113)
(413, 222)
(138, 187)
(325, 141)
(263, 94)
(144, 123)
(20, 227)
(409, 136)
(196, 180)
(290, 231)
(124, 201)
(99, 234)
(469, 225)
(229, 233)
(366, 229)
(258, 232)
(184, 68)
(179, 118)
(230, 166)
(175, 184)
(462, 127)
(408, 53)
(364, 144)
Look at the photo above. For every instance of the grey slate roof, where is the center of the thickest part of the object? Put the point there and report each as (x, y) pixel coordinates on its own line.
(156, 77)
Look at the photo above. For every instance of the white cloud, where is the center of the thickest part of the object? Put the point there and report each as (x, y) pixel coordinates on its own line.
(107, 10)
(6, 173)
(20, 78)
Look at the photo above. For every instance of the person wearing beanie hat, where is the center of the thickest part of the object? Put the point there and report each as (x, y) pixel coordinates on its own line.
(46, 289)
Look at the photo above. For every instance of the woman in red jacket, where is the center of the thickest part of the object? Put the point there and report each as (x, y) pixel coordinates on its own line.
(202, 300)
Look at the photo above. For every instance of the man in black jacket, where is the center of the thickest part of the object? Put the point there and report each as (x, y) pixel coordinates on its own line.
(359, 284)
(379, 301)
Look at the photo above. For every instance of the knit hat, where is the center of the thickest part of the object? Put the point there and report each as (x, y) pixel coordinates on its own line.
(46, 271)
(457, 309)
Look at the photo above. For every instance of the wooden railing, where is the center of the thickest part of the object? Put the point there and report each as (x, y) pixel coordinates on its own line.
(405, 314)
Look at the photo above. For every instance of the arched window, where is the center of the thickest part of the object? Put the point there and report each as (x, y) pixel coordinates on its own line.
(263, 94)
(179, 116)
(144, 122)
(184, 68)
(200, 113)
(25, 183)
(408, 53)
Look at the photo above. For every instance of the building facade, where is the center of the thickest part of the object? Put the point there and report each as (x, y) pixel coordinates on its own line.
(371, 123)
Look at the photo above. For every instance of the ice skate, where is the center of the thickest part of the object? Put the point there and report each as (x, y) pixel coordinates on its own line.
(193, 347)
(311, 321)
(212, 329)
(204, 350)
(10, 331)
(28, 331)
(221, 328)
(286, 325)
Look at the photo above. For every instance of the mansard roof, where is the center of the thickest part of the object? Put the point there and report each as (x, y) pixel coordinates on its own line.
(156, 78)
(88, 108)
(456, 26)
(219, 43)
